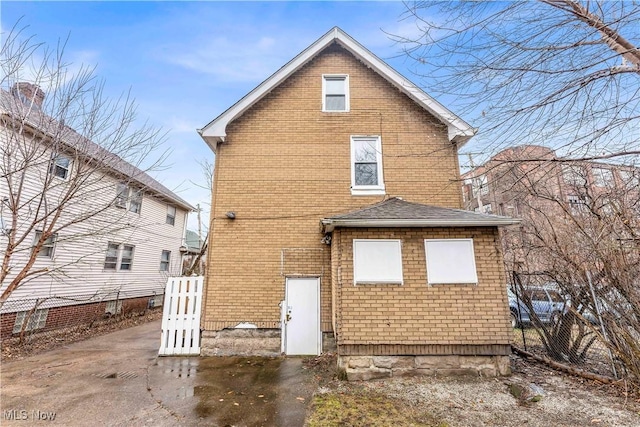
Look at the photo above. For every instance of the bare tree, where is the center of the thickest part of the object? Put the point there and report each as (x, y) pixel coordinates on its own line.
(564, 73)
(580, 233)
(63, 147)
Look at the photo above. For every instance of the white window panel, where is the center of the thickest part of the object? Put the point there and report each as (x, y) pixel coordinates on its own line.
(377, 261)
(122, 195)
(450, 261)
(165, 259)
(48, 246)
(335, 93)
(366, 165)
(60, 166)
(171, 215)
(602, 177)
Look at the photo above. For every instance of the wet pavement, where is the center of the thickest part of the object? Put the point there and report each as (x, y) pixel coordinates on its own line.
(118, 380)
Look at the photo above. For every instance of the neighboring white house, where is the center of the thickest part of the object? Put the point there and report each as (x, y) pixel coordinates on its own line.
(126, 231)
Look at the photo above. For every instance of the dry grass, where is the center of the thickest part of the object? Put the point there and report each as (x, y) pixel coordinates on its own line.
(366, 408)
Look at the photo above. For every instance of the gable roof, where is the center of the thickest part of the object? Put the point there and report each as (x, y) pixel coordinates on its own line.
(37, 120)
(459, 130)
(395, 212)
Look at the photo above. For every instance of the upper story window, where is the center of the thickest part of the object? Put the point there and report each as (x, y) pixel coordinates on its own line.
(48, 246)
(128, 198)
(135, 202)
(171, 215)
(335, 92)
(366, 165)
(60, 166)
(602, 177)
(119, 256)
(574, 175)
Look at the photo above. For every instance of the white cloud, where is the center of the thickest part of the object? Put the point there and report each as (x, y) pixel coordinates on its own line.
(250, 59)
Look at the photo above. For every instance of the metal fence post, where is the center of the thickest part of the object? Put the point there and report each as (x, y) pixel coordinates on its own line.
(596, 305)
(516, 286)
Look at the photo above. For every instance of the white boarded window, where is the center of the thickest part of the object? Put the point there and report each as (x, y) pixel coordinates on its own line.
(335, 92)
(377, 261)
(450, 261)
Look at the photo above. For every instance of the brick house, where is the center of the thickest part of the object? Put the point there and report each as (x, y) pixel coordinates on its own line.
(336, 223)
(534, 183)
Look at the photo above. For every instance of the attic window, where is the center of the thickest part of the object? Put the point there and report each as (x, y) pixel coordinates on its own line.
(335, 92)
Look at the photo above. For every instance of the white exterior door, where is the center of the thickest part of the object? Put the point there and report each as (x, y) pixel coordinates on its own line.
(301, 322)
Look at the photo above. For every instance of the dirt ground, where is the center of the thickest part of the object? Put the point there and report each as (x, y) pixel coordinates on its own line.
(473, 401)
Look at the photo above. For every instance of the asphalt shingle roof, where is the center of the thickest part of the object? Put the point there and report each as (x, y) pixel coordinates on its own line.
(35, 118)
(395, 212)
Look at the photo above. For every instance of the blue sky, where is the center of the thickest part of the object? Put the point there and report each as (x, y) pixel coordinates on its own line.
(186, 62)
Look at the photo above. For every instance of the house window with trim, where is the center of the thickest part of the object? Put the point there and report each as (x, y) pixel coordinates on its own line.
(577, 203)
(48, 246)
(60, 166)
(366, 165)
(118, 257)
(165, 260)
(35, 320)
(450, 261)
(171, 215)
(122, 195)
(135, 202)
(128, 198)
(335, 93)
(574, 175)
(377, 261)
(602, 177)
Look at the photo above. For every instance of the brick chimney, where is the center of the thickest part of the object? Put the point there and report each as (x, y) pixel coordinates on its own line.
(27, 93)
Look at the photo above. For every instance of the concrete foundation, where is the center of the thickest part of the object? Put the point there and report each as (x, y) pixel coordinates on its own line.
(251, 342)
(241, 342)
(374, 367)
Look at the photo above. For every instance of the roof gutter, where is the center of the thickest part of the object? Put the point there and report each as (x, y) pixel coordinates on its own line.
(329, 224)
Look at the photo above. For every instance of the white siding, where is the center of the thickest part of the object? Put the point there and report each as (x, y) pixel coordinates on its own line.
(77, 270)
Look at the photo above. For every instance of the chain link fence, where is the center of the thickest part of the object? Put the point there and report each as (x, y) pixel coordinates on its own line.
(588, 326)
(27, 321)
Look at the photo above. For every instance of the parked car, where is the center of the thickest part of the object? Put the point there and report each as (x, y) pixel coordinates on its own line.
(548, 305)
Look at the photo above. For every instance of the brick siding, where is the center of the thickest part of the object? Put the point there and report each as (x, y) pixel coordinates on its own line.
(73, 315)
(285, 165)
(414, 313)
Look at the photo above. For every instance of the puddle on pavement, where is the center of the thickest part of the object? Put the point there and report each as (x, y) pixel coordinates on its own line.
(246, 391)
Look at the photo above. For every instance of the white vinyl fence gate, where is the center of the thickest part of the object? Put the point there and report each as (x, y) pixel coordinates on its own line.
(181, 316)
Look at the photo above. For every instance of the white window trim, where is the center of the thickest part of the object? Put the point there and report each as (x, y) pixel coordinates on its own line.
(174, 216)
(367, 190)
(359, 281)
(168, 261)
(53, 165)
(127, 196)
(347, 105)
(52, 245)
(432, 264)
(119, 257)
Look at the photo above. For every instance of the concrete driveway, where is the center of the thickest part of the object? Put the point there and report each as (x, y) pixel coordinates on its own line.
(118, 380)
